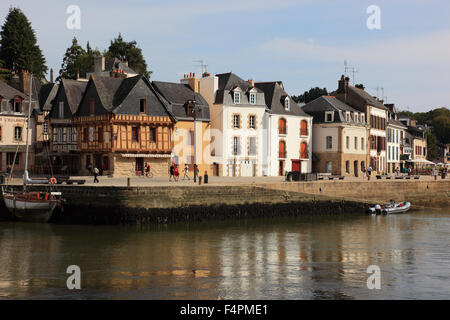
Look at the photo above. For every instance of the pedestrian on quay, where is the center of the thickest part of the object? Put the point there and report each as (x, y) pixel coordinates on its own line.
(176, 173)
(8, 173)
(186, 171)
(96, 173)
(369, 171)
(171, 172)
(89, 167)
(397, 171)
(409, 170)
(364, 171)
(195, 172)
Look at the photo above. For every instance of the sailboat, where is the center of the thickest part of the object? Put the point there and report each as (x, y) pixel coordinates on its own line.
(32, 206)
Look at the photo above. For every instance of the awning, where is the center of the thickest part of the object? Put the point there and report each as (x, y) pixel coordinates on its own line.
(13, 148)
(421, 161)
(145, 155)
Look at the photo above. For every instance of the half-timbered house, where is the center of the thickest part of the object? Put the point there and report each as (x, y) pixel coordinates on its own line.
(123, 124)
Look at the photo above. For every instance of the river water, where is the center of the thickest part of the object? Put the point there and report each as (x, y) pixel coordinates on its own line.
(286, 258)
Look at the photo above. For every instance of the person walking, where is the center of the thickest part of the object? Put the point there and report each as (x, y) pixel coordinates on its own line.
(397, 171)
(171, 172)
(96, 173)
(146, 169)
(8, 173)
(364, 171)
(186, 171)
(176, 173)
(409, 171)
(369, 171)
(195, 172)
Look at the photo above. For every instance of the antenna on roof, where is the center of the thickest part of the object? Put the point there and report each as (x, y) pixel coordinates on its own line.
(353, 70)
(202, 65)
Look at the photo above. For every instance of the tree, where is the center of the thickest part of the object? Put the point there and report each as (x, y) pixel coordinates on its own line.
(77, 61)
(18, 45)
(310, 95)
(128, 51)
(4, 73)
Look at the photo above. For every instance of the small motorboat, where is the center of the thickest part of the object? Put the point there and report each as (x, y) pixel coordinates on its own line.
(391, 208)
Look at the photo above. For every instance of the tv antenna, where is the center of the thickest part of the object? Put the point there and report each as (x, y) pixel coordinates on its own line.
(353, 70)
(202, 65)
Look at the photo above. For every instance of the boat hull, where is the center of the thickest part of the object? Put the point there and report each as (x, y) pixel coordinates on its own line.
(30, 211)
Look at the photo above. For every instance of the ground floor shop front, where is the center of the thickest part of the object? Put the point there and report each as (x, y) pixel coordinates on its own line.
(339, 164)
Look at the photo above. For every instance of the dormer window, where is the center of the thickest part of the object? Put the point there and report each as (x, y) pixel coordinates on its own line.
(287, 103)
(237, 98)
(347, 115)
(17, 105)
(356, 117)
(363, 120)
(329, 116)
(252, 98)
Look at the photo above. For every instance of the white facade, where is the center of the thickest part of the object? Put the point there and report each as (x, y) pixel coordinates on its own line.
(378, 158)
(293, 138)
(393, 148)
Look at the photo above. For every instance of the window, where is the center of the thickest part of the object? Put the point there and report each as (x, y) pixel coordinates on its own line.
(91, 107)
(17, 105)
(252, 146)
(237, 97)
(252, 98)
(356, 117)
(85, 135)
(347, 116)
(18, 133)
(362, 144)
(347, 166)
(329, 142)
(60, 136)
(363, 118)
(304, 128)
(100, 135)
(347, 142)
(69, 135)
(282, 149)
(329, 116)
(143, 106)
(153, 135)
(356, 143)
(45, 127)
(236, 121)
(329, 167)
(286, 103)
(251, 122)
(61, 109)
(191, 137)
(282, 126)
(11, 158)
(134, 134)
(236, 146)
(91, 134)
(303, 150)
(106, 136)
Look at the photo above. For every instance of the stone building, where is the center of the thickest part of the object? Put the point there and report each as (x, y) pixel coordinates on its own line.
(123, 124)
(339, 137)
(237, 110)
(192, 127)
(374, 113)
(287, 132)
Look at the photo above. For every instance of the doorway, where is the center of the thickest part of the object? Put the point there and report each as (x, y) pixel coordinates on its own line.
(355, 168)
(281, 168)
(139, 165)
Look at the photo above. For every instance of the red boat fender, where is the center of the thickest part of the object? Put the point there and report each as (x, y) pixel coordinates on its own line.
(53, 180)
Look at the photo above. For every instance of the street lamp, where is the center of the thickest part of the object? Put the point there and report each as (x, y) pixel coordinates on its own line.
(193, 109)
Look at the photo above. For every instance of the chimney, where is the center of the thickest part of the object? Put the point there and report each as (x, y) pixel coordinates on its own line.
(360, 86)
(191, 80)
(252, 82)
(51, 75)
(206, 74)
(342, 85)
(24, 81)
(99, 64)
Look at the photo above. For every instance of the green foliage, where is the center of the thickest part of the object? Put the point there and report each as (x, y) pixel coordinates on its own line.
(77, 60)
(18, 45)
(310, 95)
(128, 51)
(4, 73)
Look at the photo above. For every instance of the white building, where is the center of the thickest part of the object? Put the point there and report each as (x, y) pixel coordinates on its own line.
(237, 111)
(394, 140)
(287, 132)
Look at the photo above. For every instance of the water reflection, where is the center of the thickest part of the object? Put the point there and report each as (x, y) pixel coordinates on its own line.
(295, 258)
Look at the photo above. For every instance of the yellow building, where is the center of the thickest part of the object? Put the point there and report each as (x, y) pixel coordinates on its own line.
(192, 128)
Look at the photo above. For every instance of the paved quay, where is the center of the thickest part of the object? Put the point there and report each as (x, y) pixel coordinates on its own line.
(106, 181)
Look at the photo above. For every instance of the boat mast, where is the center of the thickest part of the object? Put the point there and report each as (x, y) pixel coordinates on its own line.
(28, 128)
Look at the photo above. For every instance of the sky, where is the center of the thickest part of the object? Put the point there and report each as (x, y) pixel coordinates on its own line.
(303, 43)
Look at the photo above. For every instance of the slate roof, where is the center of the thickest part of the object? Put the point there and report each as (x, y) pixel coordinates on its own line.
(396, 123)
(8, 92)
(74, 92)
(177, 94)
(319, 106)
(117, 64)
(46, 95)
(367, 97)
(229, 81)
(275, 95)
(113, 92)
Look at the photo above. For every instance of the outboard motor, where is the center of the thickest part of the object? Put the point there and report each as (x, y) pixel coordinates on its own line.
(377, 209)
